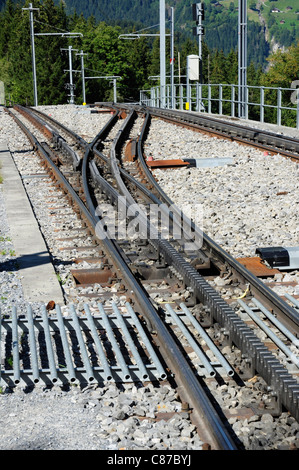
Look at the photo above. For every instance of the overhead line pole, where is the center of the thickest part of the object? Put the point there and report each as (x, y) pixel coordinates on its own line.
(198, 30)
(162, 53)
(31, 9)
(162, 35)
(172, 60)
(32, 34)
(70, 49)
(242, 59)
(83, 75)
(109, 77)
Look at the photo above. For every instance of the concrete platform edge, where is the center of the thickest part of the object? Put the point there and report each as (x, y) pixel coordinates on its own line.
(38, 277)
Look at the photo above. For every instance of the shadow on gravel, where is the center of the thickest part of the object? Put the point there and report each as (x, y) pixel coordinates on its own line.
(29, 261)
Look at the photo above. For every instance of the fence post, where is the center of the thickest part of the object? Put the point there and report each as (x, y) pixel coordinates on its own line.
(246, 103)
(220, 98)
(262, 109)
(209, 99)
(158, 97)
(181, 97)
(232, 109)
(279, 106)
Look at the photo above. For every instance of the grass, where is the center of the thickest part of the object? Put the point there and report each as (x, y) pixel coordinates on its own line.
(289, 16)
(5, 239)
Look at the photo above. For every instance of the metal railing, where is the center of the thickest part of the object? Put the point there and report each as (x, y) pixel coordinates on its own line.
(265, 104)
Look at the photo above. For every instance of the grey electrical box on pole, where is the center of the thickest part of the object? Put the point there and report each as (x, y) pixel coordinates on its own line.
(192, 74)
(242, 59)
(193, 67)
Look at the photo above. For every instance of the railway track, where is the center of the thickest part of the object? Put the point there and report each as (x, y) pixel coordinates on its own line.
(166, 269)
(243, 134)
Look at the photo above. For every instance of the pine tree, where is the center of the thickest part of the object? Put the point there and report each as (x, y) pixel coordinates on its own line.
(231, 71)
(19, 54)
(218, 68)
(50, 60)
(139, 60)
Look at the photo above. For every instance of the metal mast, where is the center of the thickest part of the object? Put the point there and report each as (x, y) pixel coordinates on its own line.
(162, 53)
(83, 75)
(71, 84)
(242, 59)
(172, 60)
(32, 34)
(31, 9)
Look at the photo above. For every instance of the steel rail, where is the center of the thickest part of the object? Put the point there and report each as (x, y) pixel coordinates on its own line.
(267, 295)
(38, 119)
(203, 411)
(242, 335)
(55, 123)
(263, 138)
(289, 315)
(285, 145)
(269, 298)
(262, 360)
(259, 289)
(121, 174)
(189, 386)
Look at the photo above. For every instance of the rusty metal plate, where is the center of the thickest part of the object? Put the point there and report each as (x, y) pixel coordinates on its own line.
(257, 267)
(167, 163)
(131, 150)
(92, 276)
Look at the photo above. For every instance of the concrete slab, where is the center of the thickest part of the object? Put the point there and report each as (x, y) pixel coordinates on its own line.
(212, 162)
(39, 281)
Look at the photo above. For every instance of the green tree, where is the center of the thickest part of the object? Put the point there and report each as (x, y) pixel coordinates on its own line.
(231, 67)
(50, 60)
(108, 55)
(284, 69)
(6, 30)
(50, 63)
(19, 56)
(6, 26)
(139, 59)
(218, 68)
